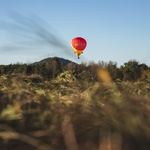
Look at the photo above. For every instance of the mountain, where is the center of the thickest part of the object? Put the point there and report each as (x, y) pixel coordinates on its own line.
(61, 60)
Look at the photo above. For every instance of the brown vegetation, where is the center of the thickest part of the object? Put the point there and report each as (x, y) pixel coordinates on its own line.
(77, 110)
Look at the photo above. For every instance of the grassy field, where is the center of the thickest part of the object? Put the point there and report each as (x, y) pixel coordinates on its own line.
(68, 113)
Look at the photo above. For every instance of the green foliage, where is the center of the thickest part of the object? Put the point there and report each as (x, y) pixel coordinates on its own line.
(65, 77)
(131, 70)
(9, 113)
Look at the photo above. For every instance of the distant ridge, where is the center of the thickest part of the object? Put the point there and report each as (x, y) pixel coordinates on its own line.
(61, 60)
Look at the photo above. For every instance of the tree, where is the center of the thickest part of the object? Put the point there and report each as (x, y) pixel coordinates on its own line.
(144, 72)
(56, 66)
(112, 69)
(130, 70)
(29, 69)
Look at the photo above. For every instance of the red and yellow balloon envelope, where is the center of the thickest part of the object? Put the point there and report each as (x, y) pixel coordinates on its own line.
(78, 44)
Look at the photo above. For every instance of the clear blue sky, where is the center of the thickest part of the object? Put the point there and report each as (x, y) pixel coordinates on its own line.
(116, 30)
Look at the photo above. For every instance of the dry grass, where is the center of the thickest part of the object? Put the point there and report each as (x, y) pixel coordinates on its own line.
(103, 115)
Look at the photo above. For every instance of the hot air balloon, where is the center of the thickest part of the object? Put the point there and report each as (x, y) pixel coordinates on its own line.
(78, 44)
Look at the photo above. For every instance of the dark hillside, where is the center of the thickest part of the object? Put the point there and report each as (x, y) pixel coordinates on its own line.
(61, 60)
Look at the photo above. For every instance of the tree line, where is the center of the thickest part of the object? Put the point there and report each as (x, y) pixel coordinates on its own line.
(129, 71)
